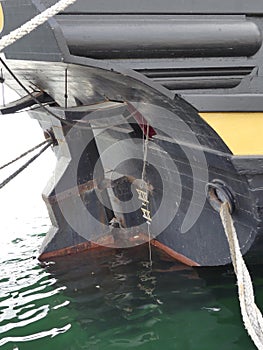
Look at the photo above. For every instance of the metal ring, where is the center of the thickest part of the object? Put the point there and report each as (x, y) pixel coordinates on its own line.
(49, 134)
(217, 192)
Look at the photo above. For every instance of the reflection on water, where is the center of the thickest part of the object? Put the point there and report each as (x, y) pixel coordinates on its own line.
(114, 300)
(26, 290)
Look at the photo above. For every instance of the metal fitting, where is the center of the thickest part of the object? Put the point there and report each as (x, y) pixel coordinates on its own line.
(217, 193)
(49, 135)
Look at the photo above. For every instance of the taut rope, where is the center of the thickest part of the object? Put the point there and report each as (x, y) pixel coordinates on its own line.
(47, 144)
(35, 22)
(251, 315)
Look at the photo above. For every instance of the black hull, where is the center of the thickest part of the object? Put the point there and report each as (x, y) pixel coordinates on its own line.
(194, 236)
(113, 186)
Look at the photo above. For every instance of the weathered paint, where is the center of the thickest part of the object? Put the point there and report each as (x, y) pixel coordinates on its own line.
(69, 250)
(173, 254)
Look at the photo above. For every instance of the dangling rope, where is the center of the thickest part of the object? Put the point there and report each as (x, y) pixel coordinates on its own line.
(11, 177)
(252, 317)
(3, 87)
(145, 153)
(35, 22)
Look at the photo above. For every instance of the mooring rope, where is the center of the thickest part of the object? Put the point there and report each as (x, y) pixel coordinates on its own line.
(35, 22)
(23, 155)
(23, 167)
(251, 315)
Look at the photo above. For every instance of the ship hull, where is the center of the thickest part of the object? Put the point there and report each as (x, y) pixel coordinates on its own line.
(138, 104)
(100, 162)
(194, 236)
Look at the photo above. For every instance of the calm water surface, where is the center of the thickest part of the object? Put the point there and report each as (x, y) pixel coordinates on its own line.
(114, 300)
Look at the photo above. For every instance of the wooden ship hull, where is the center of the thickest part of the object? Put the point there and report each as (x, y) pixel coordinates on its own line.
(156, 116)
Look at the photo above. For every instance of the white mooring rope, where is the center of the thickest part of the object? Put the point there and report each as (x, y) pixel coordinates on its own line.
(252, 317)
(34, 23)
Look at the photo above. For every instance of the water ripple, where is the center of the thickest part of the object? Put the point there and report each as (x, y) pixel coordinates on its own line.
(28, 293)
(113, 301)
(50, 333)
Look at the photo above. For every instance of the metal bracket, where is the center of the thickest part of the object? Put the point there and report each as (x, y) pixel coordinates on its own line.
(217, 192)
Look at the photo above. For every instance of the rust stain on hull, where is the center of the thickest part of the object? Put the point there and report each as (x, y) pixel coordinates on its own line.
(69, 250)
(173, 254)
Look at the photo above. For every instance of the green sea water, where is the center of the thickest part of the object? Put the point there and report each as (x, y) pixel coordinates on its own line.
(109, 300)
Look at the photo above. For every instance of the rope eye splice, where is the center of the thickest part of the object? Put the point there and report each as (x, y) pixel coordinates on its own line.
(46, 144)
(222, 200)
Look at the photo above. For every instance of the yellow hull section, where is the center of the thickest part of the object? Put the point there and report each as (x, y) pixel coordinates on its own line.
(241, 132)
(1, 18)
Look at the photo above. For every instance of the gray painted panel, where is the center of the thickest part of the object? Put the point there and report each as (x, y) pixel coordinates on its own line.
(40, 44)
(225, 102)
(165, 6)
(148, 37)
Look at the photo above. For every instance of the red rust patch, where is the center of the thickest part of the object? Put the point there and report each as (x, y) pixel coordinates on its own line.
(69, 250)
(173, 254)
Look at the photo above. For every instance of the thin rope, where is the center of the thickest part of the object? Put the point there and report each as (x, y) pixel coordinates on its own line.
(149, 245)
(27, 28)
(75, 123)
(35, 22)
(145, 151)
(145, 154)
(66, 88)
(34, 98)
(251, 315)
(11, 177)
(3, 87)
(23, 154)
